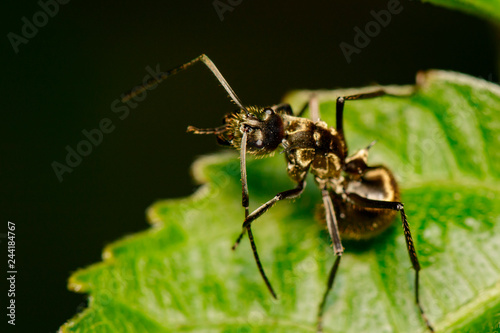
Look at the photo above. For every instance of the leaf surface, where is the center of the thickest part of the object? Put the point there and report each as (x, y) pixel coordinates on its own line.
(443, 144)
(489, 9)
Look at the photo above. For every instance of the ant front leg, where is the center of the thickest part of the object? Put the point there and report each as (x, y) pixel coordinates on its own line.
(259, 211)
(289, 194)
(341, 101)
(283, 108)
(313, 106)
(254, 215)
(245, 199)
(397, 206)
(331, 221)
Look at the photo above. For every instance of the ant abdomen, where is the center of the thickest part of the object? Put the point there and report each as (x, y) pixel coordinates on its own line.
(358, 222)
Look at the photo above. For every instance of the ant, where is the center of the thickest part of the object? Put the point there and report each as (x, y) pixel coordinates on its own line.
(359, 201)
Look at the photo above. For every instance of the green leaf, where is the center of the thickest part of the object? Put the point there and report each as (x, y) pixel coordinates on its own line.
(489, 9)
(442, 143)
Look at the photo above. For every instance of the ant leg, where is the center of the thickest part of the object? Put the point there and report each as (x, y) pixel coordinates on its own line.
(313, 106)
(303, 110)
(283, 108)
(243, 170)
(289, 194)
(329, 285)
(341, 101)
(245, 201)
(244, 185)
(398, 206)
(254, 215)
(331, 221)
(259, 264)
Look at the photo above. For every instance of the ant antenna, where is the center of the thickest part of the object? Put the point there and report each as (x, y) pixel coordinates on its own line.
(216, 130)
(162, 76)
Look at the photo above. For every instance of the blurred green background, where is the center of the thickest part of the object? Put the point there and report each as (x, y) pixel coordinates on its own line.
(65, 79)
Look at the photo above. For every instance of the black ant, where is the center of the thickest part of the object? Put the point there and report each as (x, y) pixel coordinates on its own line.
(359, 201)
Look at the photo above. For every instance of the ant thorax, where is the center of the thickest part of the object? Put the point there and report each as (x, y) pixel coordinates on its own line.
(313, 146)
(309, 146)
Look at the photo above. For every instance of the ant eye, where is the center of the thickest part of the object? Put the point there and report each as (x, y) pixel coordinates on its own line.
(268, 111)
(259, 143)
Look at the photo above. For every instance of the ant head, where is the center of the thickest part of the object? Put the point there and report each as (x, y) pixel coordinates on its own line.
(264, 127)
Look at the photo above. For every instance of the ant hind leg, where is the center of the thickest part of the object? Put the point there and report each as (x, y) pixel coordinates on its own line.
(397, 206)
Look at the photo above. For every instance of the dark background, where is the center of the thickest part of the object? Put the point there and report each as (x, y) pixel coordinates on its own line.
(66, 77)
